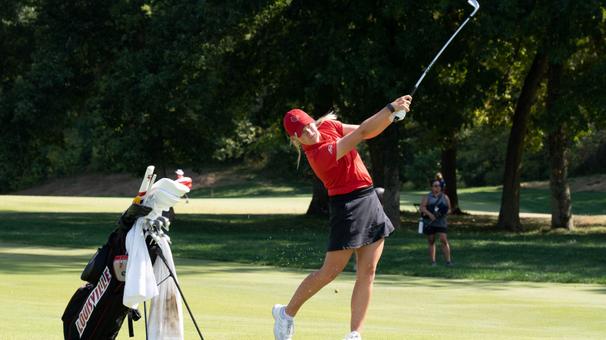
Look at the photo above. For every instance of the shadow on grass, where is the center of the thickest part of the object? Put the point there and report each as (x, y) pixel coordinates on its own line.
(254, 188)
(292, 241)
(42, 264)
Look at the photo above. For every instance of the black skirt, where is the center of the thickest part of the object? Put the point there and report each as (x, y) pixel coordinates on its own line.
(357, 219)
(431, 230)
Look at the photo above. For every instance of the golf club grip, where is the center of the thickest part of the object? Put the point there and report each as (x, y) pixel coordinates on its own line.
(401, 114)
(149, 172)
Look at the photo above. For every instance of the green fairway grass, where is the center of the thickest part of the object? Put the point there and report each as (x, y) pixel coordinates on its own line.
(488, 199)
(233, 301)
(485, 199)
(297, 241)
(238, 258)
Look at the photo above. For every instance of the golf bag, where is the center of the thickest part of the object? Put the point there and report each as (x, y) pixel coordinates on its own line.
(96, 311)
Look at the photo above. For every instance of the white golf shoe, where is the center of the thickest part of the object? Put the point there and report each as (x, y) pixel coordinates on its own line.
(353, 336)
(284, 326)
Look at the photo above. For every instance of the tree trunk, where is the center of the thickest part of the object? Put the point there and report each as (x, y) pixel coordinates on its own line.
(391, 175)
(319, 200)
(509, 215)
(375, 148)
(449, 171)
(561, 203)
(384, 156)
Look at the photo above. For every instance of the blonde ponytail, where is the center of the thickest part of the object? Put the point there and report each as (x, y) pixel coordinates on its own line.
(329, 116)
(297, 145)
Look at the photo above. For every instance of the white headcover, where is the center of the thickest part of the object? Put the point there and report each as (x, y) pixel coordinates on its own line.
(164, 194)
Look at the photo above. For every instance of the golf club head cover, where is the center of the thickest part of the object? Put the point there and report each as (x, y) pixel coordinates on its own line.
(164, 194)
(130, 216)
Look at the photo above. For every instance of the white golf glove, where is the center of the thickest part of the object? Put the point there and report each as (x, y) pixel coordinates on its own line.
(398, 116)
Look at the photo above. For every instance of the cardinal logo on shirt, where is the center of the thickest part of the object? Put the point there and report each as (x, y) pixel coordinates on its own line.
(330, 149)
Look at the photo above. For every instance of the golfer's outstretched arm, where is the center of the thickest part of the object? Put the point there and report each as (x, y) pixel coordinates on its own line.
(349, 128)
(372, 126)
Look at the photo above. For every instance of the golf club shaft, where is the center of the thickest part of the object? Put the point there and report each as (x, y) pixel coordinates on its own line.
(145, 314)
(414, 89)
(399, 115)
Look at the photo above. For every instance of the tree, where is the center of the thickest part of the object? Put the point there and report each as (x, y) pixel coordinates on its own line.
(529, 38)
(41, 91)
(356, 61)
(339, 62)
(576, 34)
(319, 201)
(459, 83)
(509, 214)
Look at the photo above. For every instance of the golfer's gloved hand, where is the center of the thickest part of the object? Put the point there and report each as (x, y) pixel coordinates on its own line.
(400, 107)
(131, 214)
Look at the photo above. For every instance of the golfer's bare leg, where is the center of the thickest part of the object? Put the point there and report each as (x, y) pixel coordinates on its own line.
(334, 262)
(445, 246)
(367, 259)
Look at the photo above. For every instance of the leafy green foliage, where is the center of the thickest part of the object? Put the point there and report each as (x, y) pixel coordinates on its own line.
(123, 84)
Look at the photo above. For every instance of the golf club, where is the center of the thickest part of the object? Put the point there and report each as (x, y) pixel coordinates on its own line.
(399, 115)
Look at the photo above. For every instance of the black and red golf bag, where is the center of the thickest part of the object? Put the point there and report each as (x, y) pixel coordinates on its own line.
(96, 311)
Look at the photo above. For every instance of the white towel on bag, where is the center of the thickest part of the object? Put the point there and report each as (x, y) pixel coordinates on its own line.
(140, 283)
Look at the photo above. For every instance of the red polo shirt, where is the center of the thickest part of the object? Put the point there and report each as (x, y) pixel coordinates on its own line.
(342, 176)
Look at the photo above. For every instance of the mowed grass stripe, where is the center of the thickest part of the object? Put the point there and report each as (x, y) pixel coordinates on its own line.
(484, 199)
(60, 204)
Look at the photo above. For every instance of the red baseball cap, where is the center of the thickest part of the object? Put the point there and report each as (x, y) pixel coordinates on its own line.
(295, 120)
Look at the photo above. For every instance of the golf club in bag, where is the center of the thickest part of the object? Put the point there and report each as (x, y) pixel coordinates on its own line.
(399, 115)
(97, 310)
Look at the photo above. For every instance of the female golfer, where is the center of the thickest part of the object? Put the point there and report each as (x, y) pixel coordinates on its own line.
(435, 206)
(357, 221)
